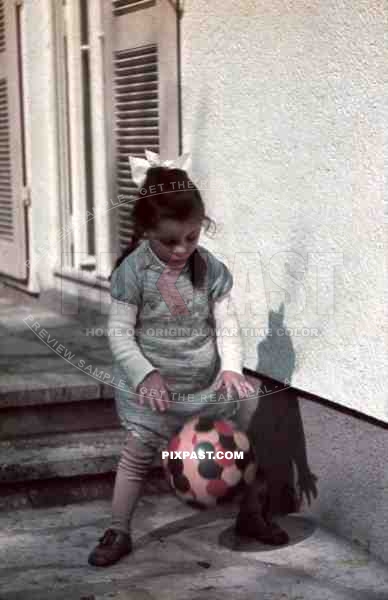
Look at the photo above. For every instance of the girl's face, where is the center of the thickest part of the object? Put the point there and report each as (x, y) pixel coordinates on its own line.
(174, 241)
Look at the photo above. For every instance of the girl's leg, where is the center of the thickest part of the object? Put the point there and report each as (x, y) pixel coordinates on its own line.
(132, 469)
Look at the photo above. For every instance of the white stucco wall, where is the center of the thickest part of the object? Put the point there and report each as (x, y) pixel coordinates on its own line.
(285, 114)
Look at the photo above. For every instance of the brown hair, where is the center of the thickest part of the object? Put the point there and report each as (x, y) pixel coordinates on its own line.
(168, 194)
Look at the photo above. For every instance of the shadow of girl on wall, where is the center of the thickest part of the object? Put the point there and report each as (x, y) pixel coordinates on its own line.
(276, 427)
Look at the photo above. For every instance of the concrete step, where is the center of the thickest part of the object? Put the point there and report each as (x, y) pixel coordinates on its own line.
(63, 491)
(50, 418)
(54, 403)
(46, 470)
(60, 437)
(60, 455)
(51, 387)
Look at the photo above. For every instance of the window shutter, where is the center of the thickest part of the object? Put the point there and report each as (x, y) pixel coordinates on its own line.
(142, 96)
(121, 7)
(12, 210)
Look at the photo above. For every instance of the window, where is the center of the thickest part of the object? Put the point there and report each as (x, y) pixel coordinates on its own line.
(141, 96)
(13, 184)
(74, 120)
(117, 94)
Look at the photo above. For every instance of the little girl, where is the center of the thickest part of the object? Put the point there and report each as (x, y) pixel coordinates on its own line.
(163, 284)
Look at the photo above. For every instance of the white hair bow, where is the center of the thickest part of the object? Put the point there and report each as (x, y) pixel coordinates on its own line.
(140, 166)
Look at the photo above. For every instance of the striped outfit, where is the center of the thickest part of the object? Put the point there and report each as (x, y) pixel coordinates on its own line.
(174, 333)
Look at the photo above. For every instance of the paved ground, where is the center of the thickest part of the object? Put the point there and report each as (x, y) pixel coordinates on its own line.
(179, 553)
(28, 362)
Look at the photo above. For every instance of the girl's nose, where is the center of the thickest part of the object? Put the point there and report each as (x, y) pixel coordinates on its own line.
(178, 250)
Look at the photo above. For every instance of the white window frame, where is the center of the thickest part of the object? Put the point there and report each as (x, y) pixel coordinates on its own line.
(70, 118)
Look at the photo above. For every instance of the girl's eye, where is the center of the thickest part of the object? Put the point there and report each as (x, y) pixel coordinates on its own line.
(170, 242)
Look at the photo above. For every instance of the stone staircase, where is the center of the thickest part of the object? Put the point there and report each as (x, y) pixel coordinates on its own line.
(60, 438)
(60, 448)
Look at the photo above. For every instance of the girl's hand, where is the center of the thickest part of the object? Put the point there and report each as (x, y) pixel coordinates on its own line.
(154, 391)
(231, 379)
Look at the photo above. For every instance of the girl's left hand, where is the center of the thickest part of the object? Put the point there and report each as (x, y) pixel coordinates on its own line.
(231, 379)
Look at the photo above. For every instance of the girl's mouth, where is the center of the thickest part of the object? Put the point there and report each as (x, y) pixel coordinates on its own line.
(179, 258)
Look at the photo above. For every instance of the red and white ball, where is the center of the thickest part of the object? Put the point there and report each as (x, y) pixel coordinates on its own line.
(206, 482)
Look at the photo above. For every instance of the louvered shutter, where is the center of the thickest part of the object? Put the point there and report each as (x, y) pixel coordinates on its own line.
(12, 211)
(142, 95)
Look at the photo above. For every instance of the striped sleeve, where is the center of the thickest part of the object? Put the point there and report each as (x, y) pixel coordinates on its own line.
(125, 350)
(229, 342)
(126, 302)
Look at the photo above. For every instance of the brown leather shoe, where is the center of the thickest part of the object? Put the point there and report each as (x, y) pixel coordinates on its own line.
(254, 526)
(114, 544)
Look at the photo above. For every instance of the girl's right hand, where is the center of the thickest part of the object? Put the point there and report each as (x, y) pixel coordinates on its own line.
(154, 391)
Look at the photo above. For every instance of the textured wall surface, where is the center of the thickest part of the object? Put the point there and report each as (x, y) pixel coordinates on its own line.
(349, 458)
(285, 113)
